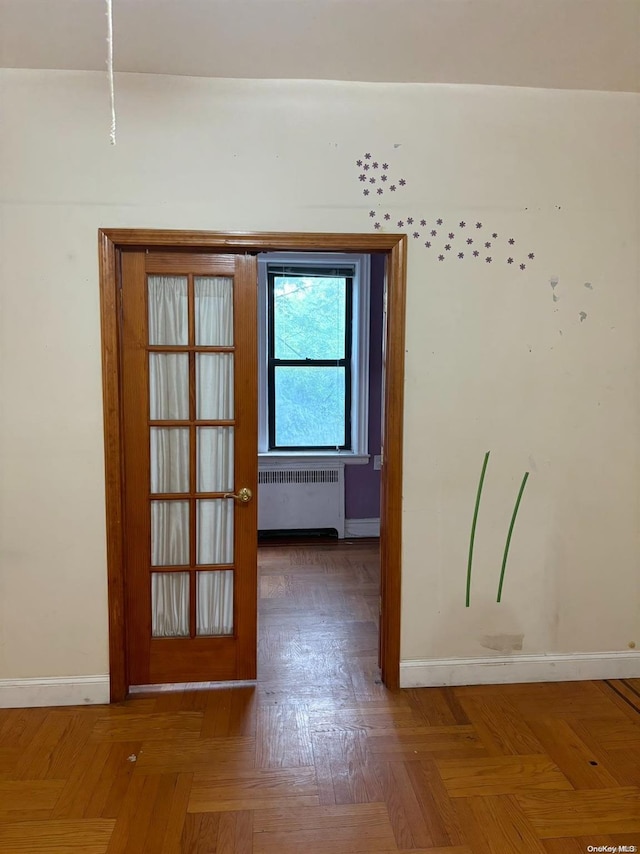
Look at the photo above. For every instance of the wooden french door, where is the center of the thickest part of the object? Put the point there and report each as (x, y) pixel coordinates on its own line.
(189, 407)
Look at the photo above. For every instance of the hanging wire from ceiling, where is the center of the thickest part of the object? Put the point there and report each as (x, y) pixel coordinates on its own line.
(112, 92)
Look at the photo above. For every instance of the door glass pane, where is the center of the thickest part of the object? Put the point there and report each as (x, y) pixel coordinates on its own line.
(169, 448)
(214, 381)
(169, 604)
(215, 603)
(169, 533)
(215, 459)
(168, 386)
(214, 311)
(168, 309)
(310, 406)
(215, 531)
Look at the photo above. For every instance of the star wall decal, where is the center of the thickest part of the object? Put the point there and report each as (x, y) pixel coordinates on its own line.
(396, 184)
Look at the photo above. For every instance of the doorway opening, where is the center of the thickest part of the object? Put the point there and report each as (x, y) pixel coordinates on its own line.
(320, 331)
(173, 245)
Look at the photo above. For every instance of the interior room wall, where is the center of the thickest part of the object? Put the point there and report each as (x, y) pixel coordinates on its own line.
(362, 483)
(537, 366)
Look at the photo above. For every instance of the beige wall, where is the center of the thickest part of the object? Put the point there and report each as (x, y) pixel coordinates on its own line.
(493, 363)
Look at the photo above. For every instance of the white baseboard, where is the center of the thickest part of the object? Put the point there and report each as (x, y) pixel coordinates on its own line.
(56, 691)
(501, 670)
(362, 528)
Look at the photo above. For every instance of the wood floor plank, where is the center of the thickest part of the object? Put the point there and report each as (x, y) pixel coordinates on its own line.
(235, 833)
(500, 775)
(56, 837)
(23, 795)
(576, 760)
(365, 717)
(619, 699)
(217, 833)
(342, 828)
(150, 727)
(353, 775)
(159, 824)
(216, 722)
(283, 738)
(625, 765)
(564, 845)
(322, 758)
(186, 700)
(19, 726)
(9, 758)
(85, 777)
(413, 825)
(110, 789)
(424, 742)
(38, 756)
(66, 753)
(581, 844)
(436, 804)
(438, 706)
(582, 700)
(143, 820)
(97, 782)
(502, 729)
(620, 734)
(308, 818)
(243, 718)
(200, 833)
(601, 811)
(497, 825)
(133, 821)
(177, 816)
(457, 849)
(184, 755)
(256, 789)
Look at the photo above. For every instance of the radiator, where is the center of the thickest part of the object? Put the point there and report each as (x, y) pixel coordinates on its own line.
(301, 499)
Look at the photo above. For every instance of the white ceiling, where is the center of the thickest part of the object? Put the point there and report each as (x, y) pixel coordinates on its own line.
(575, 44)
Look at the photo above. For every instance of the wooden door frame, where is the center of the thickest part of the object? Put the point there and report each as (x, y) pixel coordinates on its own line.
(394, 246)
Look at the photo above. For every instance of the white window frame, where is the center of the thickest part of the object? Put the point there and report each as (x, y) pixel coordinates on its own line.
(359, 453)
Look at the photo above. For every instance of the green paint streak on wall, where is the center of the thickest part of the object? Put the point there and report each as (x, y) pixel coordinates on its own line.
(473, 526)
(513, 522)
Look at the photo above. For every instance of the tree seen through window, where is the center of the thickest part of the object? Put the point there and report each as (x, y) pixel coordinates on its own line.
(309, 370)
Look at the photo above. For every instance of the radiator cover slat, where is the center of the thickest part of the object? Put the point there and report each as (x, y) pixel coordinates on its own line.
(299, 476)
(301, 499)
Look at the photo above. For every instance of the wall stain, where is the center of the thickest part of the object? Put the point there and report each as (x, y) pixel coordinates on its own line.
(502, 643)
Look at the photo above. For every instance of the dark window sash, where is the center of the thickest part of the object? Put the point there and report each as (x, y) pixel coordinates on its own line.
(346, 362)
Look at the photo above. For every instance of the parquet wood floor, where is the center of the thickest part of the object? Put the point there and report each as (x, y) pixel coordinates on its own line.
(318, 757)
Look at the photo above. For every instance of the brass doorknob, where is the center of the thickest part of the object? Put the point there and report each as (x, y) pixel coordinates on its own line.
(243, 495)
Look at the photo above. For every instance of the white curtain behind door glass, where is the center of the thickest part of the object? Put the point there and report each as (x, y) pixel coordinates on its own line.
(169, 604)
(215, 531)
(214, 386)
(215, 459)
(169, 533)
(214, 311)
(215, 603)
(168, 386)
(168, 309)
(169, 459)
(169, 448)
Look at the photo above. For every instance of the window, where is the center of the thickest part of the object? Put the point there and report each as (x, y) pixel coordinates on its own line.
(314, 354)
(309, 362)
